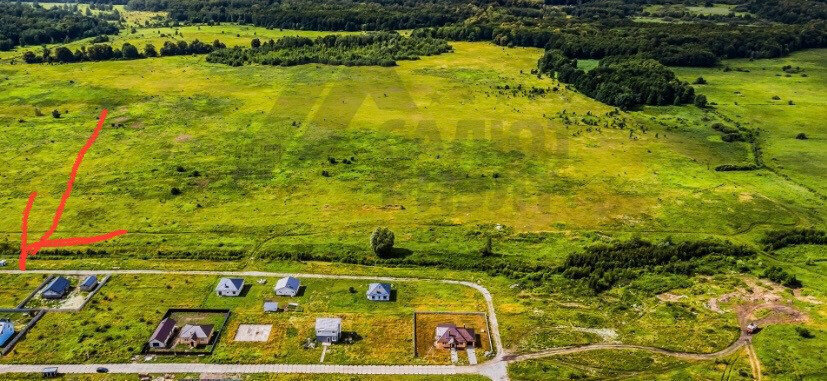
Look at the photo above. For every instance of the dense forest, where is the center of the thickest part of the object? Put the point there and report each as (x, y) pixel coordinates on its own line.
(380, 48)
(349, 15)
(626, 83)
(787, 11)
(23, 24)
(671, 44)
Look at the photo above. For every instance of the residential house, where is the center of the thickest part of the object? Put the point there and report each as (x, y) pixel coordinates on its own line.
(6, 332)
(89, 283)
(287, 286)
(160, 338)
(271, 307)
(379, 291)
(450, 336)
(195, 335)
(56, 289)
(229, 287)
(328, 330)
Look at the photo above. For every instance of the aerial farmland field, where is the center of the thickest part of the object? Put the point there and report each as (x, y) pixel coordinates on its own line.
(595, 189)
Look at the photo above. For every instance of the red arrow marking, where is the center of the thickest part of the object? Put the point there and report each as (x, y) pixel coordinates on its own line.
(27, 249)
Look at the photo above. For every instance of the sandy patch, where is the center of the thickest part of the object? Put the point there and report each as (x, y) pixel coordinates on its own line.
(667, 297)
(253, 332)
(183, 138)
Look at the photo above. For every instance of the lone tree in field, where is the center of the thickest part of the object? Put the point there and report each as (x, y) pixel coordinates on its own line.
(700, 101)
(381, 241)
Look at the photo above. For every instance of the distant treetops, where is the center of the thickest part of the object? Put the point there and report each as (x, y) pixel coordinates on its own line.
(370, 49)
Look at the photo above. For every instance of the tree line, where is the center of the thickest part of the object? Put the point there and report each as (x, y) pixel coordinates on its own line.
(603, 266)
(105, 52)
(623, 82)
(671, 44)
(347, 15)
(778, 239)
(379, 48)
(24, 24)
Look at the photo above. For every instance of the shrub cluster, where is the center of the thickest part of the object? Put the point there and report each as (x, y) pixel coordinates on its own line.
(381, 48)
(605, 265)
(778, 275)
(778, 239)
(626, 83)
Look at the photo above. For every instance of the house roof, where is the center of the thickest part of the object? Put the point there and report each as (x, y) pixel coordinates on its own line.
(193, 331)
(271, 306)
(383, 288)
(89, 281)
(328, 324)
(450, 332)
(58, 285)
(164, 330)
(288, 282)
(233, 283)
(4, 324)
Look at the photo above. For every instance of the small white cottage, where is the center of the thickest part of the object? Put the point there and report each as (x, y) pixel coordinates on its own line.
(379, 292)
(287, 286)
(229, 287)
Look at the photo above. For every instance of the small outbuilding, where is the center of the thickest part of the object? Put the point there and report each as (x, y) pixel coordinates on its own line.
(379, 292)
(50, 372)
(287, 286)
(56, 289)
(328, 330)
(160, 338)
(271, 307)
(752, 328)
(6, 332)
(195, 335)
(229, 287)
(450, 336)
(89, 283)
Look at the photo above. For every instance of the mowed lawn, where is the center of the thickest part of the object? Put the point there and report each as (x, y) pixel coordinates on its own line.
(443, 150)
(114, 326)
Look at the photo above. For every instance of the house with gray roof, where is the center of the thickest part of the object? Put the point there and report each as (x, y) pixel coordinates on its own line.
(195, 335)
(287, 286)
(229, 287)
(379, 292)
(56, 289)
(328, 330)
(271, 306)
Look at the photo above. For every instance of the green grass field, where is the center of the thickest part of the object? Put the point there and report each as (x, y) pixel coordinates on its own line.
(441, 155)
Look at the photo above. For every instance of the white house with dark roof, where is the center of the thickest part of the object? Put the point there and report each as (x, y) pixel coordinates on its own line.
(379, 292)
(328, 330)
(287, 286)
(229, 287)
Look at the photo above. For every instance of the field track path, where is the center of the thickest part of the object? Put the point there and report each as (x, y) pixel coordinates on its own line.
(495, 368)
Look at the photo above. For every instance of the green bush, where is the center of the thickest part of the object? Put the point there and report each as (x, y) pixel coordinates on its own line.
(381, 241)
